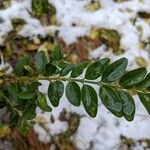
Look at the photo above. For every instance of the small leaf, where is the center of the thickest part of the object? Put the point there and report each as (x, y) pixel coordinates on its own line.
(19, 68)
(133, 77)
(111, 100)
(96, 69)
(145, 83)
(55, 92)
(73, 93)
(42, 102)
(57, 55)
(128, 105)
(23, 127)
(89, 99)
(66, 69)
(78, 70)
(40, 61)
(26, 95)
(29, 112)
(50, 69)
(28, 69)
(115, 70)
(145, 100)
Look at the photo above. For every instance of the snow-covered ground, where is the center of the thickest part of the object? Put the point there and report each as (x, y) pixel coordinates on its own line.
(104, 130)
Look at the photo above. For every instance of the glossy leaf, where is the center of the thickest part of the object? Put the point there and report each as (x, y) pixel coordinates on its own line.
(128, 105)
(23, 127)
(29, 113)
(133, 77)
(19, 68)
(115, 70)
(78, 70)
(55, 92)
(50, 69)
(145, 83)
(89, 99)
(145, 100)
(29, 70)
(40, 61)
(96, 69)
(111, 100)
(26, 95)
(66, 69)
(73, 93)
(57, 55)
(42, 103)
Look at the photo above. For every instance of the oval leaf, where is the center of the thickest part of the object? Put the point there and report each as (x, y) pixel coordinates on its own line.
(115, 70)
(128, 105)
(145, 100)
(96, 69)
(50, 69)
(26, 95)
(19, 68)
(73, 93)
(133, 77)
(55, 92)
(111, 100)
(40, 61)
(42, 103)
(29, 113)
(89, 99)
(57, 55)
(145, 83)
(66, 69)
(78, 70)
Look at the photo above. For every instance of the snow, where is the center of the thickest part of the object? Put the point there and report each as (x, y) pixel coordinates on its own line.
(105, 130)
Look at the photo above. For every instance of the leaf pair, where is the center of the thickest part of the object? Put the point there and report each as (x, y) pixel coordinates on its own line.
(109, 73)
(120, 103)
(87, 95)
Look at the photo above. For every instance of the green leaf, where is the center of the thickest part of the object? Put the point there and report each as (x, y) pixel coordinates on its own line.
(115, 70)
(62, 64)
(96, 69)
(40, 61)
(19, 68)
(128, 105)
(14, 118)
(50, 69)
(145, 100)
(57, 55)
(78, 70)
(132, 78)
(66, 69)
(111, 100)
(73, 93)
(55, 92)
(34, 86)
(89, 99)
(145, 83)
(42, 103)
(26, 95)
(29, 113)
(28, 69)
(23, 127)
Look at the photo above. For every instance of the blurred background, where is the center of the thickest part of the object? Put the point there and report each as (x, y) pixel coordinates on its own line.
(86, 29)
